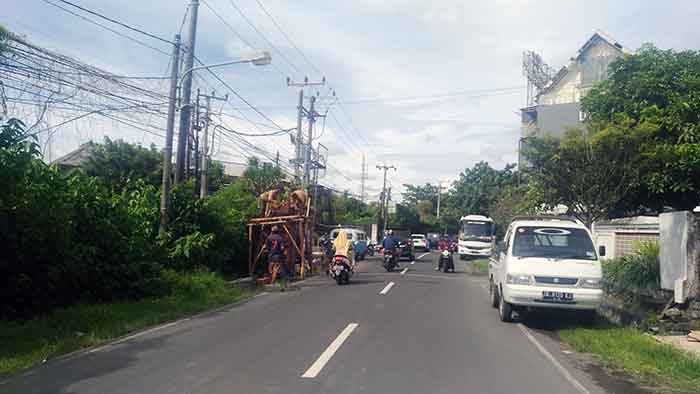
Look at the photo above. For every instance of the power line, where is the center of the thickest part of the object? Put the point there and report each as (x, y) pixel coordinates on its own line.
(117, 22)
(287, 37)
(107, 28)
(236, 33)
(248, 21)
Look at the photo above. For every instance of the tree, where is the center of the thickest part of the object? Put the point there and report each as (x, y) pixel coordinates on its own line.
(587, 174)
(478, 188)
(653, 95)
(262, 177)
(414, 194)
(118, 162)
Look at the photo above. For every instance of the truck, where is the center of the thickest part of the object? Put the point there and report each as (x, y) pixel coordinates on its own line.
(476, 236)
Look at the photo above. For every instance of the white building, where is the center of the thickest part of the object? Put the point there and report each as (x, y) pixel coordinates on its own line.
(620, 236)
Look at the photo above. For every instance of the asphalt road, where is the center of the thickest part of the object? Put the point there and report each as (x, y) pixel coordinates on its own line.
(429, 332)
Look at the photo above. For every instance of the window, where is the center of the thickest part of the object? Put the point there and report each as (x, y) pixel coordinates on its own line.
(553, 242)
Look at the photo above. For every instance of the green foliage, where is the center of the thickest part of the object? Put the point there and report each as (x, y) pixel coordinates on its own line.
(512, 201)
(663, 365)
(189, 250)
(653, 97)
(351, 211)
(587, 174)
(632, 276)
(67, 239)
(118, 162)
(477, 191)
(261, 177)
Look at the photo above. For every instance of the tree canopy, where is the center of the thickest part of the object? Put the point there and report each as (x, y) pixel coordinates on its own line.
(654, 96)
(116, 162)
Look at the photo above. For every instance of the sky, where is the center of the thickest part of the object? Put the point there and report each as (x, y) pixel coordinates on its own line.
(431, 87)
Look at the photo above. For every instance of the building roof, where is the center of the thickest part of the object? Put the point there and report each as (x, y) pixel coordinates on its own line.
(77, 157)
(598, 34)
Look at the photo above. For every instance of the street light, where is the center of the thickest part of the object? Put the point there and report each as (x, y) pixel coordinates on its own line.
(262, 59)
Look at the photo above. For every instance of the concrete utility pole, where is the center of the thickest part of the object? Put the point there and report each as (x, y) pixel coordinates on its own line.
(204, 186)
(301, 158)
(438, 198)
(382, 208)
(186, 94)
(300, 115)
(363, 178)
(307, 154)
(168, 149)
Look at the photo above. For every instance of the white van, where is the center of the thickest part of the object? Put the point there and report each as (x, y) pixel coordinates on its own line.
(545, 262)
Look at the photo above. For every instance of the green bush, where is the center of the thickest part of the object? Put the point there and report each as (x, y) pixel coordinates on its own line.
(68, 238)
(635, 275)
(73, 238)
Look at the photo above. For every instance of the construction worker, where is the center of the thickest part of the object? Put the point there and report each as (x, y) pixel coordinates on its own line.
(275, 245)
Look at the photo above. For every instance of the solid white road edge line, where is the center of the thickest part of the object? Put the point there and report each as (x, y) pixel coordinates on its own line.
(404, 271)
(318, 365)
(387, 288)
(423, 255)
(577, 385)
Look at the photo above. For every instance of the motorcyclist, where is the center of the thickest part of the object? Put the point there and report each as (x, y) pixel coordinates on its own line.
(343, 246)
(390, 243)
(443, 244)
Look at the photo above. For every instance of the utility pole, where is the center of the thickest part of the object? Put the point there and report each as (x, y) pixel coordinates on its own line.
(204, 186)
(168, 149)
(300, 157)
(438, 198)
(300, 115)
(386, 208)
(307, 154)
(193, 145)
(363, 178)
(186, 95)
(382, 208)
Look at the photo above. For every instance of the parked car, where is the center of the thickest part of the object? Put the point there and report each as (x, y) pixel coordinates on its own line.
(545, 262)
(420, 241)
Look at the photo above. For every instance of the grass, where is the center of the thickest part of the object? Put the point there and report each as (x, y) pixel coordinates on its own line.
(25, 344)
(480, 266)
(629, 349)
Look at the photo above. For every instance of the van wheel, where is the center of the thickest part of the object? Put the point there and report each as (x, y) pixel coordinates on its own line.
(505, 310)
(493, 294)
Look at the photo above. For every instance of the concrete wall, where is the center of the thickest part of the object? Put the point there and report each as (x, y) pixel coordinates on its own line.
(673, 244)
(555, 119)
(680, 254)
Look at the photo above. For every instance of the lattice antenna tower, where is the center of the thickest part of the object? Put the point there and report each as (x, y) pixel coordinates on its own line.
(538, 75)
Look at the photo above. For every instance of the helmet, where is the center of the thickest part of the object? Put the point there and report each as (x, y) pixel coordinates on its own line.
(275, 229)
(391, 232)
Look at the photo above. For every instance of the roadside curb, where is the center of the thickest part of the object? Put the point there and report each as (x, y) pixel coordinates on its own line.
(126, 337)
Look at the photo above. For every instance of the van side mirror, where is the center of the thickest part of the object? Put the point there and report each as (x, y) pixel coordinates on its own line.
(601, 250)
(500, 247)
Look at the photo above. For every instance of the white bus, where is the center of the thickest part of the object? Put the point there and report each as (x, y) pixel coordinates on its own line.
(476, 236)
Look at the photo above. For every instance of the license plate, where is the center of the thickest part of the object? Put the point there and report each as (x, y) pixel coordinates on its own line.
(557, 296)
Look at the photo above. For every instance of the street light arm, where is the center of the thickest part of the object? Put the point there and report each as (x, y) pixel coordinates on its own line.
(263, 59)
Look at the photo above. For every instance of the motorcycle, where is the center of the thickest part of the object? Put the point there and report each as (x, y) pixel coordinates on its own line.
(446, 262)
(389, 260)
(341, 270)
